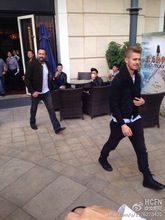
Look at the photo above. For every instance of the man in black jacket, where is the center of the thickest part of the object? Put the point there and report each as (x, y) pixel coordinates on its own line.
(97, 81)
(60, 78)
(37, 80)
(126, 121)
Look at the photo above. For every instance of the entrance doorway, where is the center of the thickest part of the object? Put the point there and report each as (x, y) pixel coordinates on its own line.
(9, 41)
(13, 37)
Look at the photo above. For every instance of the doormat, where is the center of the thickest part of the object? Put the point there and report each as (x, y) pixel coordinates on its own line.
(14, 102)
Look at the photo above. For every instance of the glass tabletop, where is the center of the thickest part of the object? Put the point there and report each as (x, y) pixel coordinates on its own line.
(79, 81)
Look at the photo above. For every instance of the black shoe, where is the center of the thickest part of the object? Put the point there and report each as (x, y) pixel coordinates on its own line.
(33, 126)
(149, 182)
(104, 163)
(58, 130)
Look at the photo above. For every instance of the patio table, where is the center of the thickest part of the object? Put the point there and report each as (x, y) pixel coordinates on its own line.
(80, 82)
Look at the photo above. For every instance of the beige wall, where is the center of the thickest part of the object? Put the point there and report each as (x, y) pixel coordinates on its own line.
(92, 24)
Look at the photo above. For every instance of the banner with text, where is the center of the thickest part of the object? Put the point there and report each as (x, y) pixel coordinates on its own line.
(153, 63)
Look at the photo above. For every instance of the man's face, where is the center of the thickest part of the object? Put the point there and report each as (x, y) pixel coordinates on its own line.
(115, 68)
(41, 55)
(9, 54)
(133, 61)
(30, 54)
(59, 69)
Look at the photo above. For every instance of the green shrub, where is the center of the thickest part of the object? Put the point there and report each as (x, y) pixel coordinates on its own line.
(115, 53)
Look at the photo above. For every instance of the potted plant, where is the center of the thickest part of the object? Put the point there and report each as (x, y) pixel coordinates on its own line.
(115, 53)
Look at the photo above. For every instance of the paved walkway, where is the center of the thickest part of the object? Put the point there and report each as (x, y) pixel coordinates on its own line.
(44, 175)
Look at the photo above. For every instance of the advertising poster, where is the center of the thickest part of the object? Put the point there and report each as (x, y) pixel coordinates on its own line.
(153, 64)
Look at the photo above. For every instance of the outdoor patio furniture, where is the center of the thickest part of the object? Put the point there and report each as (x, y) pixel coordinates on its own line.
(151, 109)
(55, 99)
(84, 75)
(80, 83)
(70, 103)
(96, 102)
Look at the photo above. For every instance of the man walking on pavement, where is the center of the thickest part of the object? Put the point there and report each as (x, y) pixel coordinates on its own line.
(126, 121)
(37, 80)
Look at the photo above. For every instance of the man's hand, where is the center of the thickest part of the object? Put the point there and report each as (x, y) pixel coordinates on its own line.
(93, 76)
(138, 101)
(56, 74)
(62, 87)
(35, 94)
(126, 130)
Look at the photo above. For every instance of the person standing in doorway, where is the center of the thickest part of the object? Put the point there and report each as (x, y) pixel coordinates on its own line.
(37, 80)
(30, 56)
(17, 57)
(126, 121)
(20, 76)
(13, 71)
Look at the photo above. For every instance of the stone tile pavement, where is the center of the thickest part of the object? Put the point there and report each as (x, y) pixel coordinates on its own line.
(44, 175)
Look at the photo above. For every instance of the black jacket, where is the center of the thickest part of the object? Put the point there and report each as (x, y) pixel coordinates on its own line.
(57, 84)
(123, 91)
(34, 76)
(97, 81)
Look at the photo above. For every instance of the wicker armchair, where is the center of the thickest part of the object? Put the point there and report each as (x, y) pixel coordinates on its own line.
(70, 103)
(55, 99)
(97, 101)
(151, 109)
(84, 75)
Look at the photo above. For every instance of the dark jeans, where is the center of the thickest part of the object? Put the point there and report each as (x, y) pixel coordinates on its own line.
(137, 140)
(14, 80)
(47, 99)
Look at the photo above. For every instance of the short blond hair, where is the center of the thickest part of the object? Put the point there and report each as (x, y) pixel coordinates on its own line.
(132, 49)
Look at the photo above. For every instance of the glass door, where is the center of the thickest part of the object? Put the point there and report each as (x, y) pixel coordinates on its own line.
(28, 38)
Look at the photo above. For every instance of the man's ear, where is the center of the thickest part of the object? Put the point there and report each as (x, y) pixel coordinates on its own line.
(126, 60)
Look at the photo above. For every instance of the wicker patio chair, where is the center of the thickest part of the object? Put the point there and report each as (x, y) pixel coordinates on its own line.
(70, 103)
(151, 109)
(84, 75)
(55, 99)
(96, 102)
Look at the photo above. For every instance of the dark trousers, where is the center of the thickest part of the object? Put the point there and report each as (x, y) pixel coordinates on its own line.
(14, 79)
(47, 99)
(137, 140)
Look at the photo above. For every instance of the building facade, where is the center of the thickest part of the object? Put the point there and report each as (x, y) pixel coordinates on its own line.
(82, 29)
(86, 27)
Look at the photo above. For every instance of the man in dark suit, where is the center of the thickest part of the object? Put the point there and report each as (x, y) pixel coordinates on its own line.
(126, 121)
